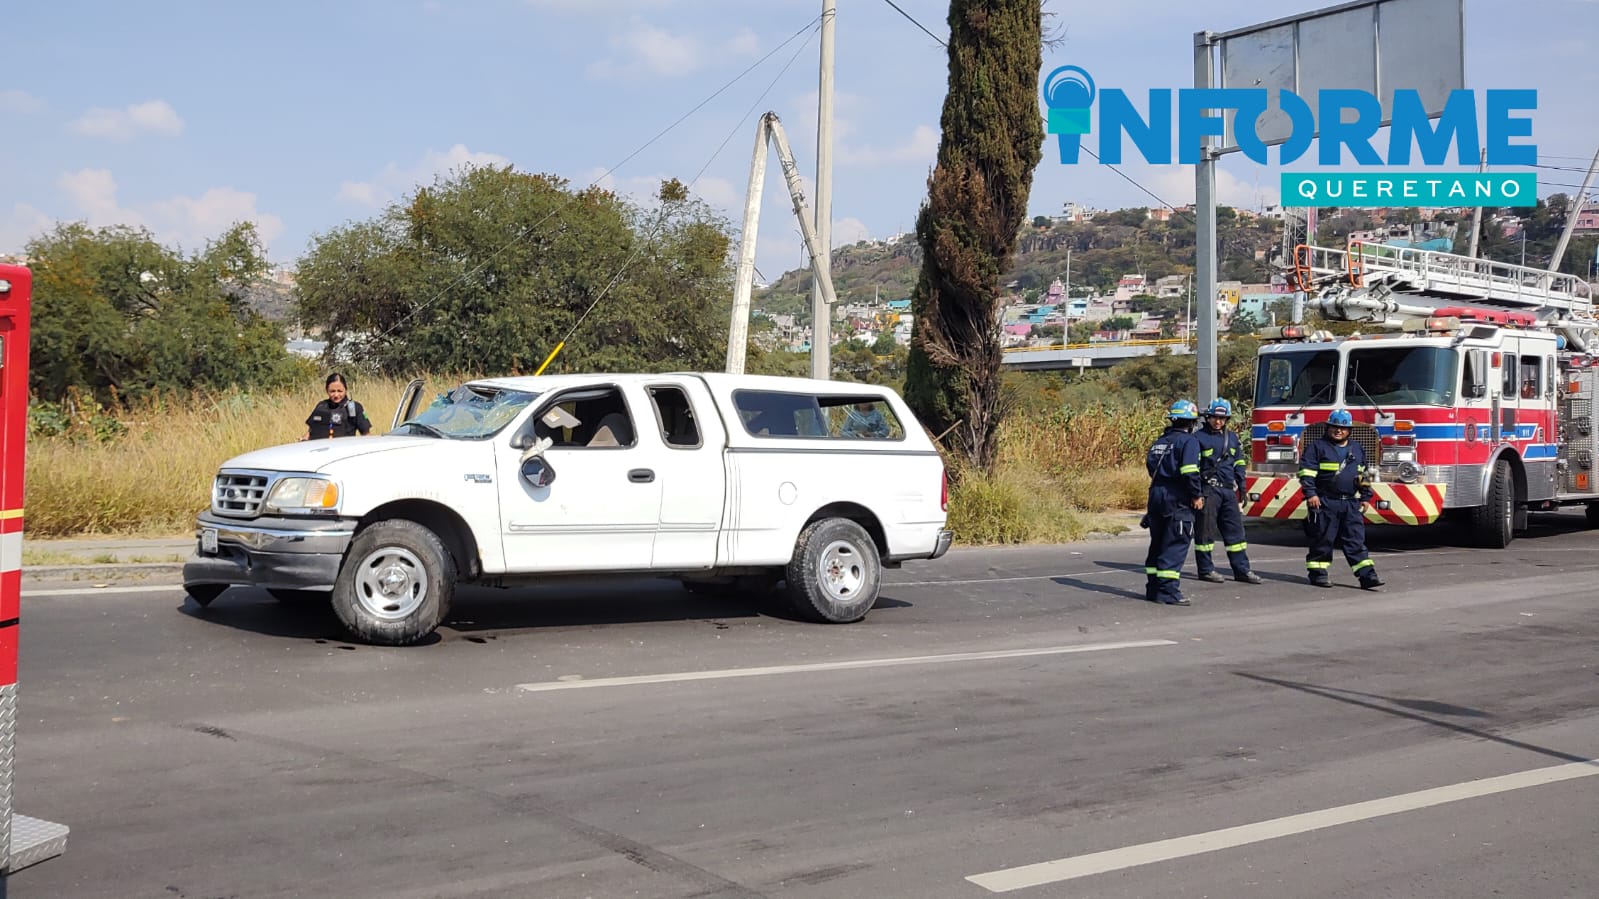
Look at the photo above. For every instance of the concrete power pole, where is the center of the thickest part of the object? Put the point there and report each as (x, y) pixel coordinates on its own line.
(1205, 235)
(738, 331)
(1572, 213)
(821, 310)
(1476, 214)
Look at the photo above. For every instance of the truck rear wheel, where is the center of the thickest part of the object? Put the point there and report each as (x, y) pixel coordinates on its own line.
(835, 573)
(1493, 523)
(396, 584)
(1593, 515)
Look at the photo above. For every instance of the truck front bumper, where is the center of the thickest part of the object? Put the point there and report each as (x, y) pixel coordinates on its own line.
(274, 553)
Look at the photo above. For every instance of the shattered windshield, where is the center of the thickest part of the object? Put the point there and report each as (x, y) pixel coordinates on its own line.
(469, 412)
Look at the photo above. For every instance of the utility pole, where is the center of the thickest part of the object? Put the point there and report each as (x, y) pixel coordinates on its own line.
(1571, 215)
(738, 331)
(770, 129)
(821, 310)
(1476, 213)
(1205, 231)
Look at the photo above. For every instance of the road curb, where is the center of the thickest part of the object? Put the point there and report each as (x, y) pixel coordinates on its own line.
(103, 571)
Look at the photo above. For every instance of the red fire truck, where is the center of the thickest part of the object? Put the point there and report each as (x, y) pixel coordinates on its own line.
(1472, 385)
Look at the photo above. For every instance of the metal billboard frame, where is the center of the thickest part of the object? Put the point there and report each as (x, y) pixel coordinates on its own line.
(1404, 35)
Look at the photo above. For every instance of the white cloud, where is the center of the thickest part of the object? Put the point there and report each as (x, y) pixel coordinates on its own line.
(19, 101)
(640, 48)
(152, 117)
(24, 222)
(394, 180)
(849, 230)
(642, 189)
(187, 221)
(920, 147)
(720, 192)
(1175, 185)
(745, 43)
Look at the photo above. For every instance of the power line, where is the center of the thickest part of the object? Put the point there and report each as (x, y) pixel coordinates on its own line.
(809, 25)
(916, 23)
(660, 220)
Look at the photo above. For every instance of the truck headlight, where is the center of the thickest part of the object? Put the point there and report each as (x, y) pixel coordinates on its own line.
(303, 495)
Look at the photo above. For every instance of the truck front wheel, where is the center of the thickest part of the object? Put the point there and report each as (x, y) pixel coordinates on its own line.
(1493, 523)
(396, 584)
(836, 571)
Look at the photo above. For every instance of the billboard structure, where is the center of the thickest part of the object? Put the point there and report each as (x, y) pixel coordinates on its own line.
(1377, 46)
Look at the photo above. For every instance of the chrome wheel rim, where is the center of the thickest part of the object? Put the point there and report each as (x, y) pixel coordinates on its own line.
(391, 583)
(841, 571)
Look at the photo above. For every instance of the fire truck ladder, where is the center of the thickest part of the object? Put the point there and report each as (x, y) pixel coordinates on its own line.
(1428, 278)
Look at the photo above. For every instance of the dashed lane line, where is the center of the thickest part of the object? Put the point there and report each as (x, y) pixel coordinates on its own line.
(725, 673)
(1008, 879)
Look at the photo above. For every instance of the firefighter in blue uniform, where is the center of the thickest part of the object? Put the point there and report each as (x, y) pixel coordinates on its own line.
(1175, 494)
(1222, 467)
(1332, 474)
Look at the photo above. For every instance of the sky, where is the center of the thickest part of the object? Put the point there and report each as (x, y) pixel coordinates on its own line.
(186, 116)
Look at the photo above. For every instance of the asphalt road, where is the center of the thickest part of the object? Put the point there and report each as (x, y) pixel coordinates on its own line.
(1014, 721)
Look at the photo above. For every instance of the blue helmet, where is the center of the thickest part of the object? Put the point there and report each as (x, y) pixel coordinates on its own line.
(1184, 410)
(1340, 418)
(1221, 407)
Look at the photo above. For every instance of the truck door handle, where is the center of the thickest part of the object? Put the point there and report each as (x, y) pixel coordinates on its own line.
(641, 476)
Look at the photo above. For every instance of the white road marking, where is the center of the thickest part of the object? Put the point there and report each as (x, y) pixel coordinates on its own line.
(86, 591)
(836, 666)
(1008, 879)
(997, 580)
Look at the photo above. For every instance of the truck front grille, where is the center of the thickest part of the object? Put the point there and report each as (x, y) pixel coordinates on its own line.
(238, 495)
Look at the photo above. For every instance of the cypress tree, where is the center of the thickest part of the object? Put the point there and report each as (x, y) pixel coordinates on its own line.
(976, 201)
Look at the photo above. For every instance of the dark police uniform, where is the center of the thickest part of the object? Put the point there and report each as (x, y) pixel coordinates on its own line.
(1337, 474)
(1173, 465)
(343, 420)
(1222, 469)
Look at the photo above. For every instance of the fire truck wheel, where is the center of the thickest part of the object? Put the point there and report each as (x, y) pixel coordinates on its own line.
(1493, 522)
(1593, 515)
(835, 572)
(396, 584)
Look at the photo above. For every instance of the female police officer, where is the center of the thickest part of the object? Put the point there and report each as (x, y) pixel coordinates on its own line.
(338, 415)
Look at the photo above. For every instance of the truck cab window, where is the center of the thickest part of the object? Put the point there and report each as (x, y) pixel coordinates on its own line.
(676, 417)
(589, 418)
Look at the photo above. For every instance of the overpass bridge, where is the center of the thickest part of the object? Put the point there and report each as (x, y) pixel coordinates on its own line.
(1088, 355)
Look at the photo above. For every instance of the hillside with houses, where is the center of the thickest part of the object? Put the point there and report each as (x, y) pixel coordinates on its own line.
(1116, 275)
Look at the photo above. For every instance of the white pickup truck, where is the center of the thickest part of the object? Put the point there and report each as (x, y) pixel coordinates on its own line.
(721, 481)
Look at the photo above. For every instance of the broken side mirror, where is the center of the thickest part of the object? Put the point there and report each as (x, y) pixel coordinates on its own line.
(536, 469)
(538, 472)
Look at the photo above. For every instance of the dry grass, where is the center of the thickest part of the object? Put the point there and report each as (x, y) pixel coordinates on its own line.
(1053, 472)
(154, 479)
(1056, 474)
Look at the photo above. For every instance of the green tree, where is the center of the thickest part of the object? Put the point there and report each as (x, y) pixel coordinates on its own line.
(116, 314)
(490, 269)
(977, 200)
(885, 343)
(1244, 323)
